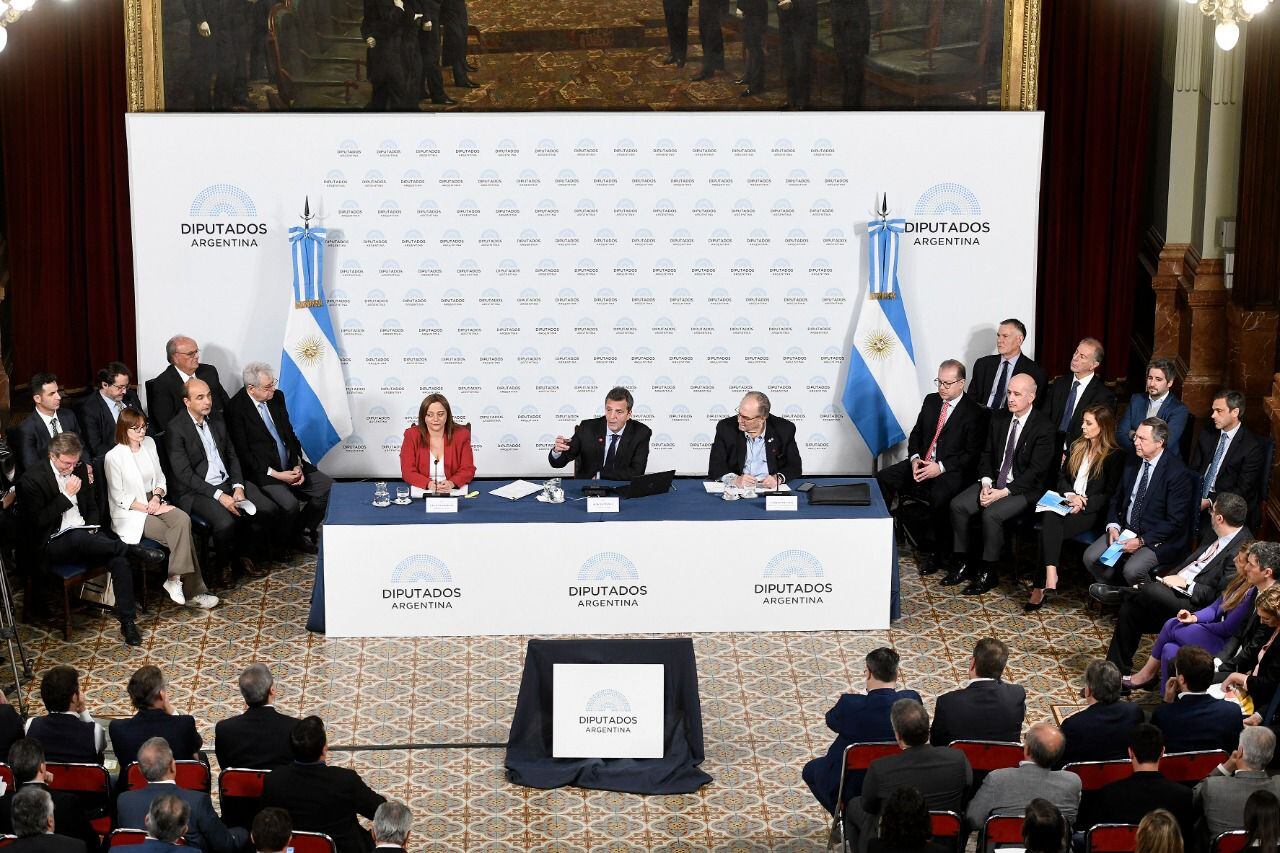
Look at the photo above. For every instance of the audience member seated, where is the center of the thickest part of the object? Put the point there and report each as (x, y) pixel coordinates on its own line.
(1088, 478)
(1229, 457)
(610, 447)
(1221, 796)
(1191, 719)
(755, 445)
(1159, 832)
(207, 481)
(940, 775)
(1262, 566)
(1257, 664)
(905, 825)
(34, 824)
(1159, 401)
(99, 413)
(1196, 583)
(1044, 829)
(1262, 821)
(11, 728)
(320, 798)
(1101, 731)
(991, 373)
(271, 831)
(258, 739)
(986, 708)
(1009, 790)
(67, 732)
(943, 453)
(1070, 396)
(391, 825)
(271, 456)
(1210, 628)
(58, 507)
(136, 490)
(857, 718)
(1154, 502)
(205, 829)
(164, 392)
(154, 717)
(48, 420)
(166, 823)
(1128, 800)
(436, 453)
(1012, 468)
(26, 760)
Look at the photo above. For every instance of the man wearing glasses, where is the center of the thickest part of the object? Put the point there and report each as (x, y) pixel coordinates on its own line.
(164, 393)
(756, 446)
(99, 412)
(943, 453)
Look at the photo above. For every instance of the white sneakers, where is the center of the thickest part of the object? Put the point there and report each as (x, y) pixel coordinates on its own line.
(204, 601)
(173, 586)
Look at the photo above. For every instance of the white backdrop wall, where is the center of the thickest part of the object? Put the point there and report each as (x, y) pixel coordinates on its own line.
(524, 264)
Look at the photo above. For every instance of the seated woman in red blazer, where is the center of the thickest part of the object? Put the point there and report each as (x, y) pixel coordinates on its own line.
(437, 448)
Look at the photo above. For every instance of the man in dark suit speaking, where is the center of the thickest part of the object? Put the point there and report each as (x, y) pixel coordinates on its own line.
(755, 445)
(611, 447)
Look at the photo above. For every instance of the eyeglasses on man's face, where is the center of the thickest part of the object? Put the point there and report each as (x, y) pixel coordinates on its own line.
(940, 383)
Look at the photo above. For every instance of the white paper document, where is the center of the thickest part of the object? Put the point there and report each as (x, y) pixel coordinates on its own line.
(516, 490)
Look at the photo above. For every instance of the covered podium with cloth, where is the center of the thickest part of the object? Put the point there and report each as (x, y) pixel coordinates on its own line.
(530, 758)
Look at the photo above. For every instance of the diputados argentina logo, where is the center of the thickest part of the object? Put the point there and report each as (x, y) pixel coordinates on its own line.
(608, 579)
(221, 217)
(947, 214)
(793, 577)
(608, 712)
(421, 582)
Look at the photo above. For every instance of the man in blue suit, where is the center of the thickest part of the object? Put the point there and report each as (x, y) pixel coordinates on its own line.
(1101, 731)
(204, 830)
(31, 437)
(1153, 501)
(155, 717)
(166, 823)
(857, 718)
(1190, 718)
(1159, 402)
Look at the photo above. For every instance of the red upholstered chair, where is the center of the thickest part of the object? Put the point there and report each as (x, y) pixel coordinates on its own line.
(1002, 829)
(312, 842)
(857, 756)
(946, 828)
(192, 774)
(92, 782)
(240, 794)
(1190, 766)
(127, 837)
(1095, 774)
(1230, 842)
(6, 776)
(988, 755)
(6, 840)
(1112, 838)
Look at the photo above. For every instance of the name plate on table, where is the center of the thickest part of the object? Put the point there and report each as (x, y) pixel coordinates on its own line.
(781, 503)
(602, 504)
(441, 504)
(606, 710)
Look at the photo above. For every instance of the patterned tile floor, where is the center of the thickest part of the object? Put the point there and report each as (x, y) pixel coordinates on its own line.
(763, 701)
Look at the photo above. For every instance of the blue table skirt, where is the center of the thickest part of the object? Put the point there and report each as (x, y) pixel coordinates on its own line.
(351, 504)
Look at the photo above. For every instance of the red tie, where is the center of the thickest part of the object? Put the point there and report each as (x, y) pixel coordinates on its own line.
(933, 445)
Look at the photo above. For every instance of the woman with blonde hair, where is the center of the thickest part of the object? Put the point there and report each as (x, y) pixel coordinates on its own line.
(1159, 833)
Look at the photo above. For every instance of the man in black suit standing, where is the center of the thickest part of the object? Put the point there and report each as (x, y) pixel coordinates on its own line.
(48, 419)
(164, 392)
(453, 22)
(991, 373)
(943, 446)
(26, 760)
(33, 823)
(676, 15)
(1071, 395)
(271, 456)
(851, 37)
(320, 798)
(797, 34)
(1153, 501)
(1101, 731)
(258, 739)
(99, 412)
(1012, 471)
(984, 709)
(711, 37)
(391, 824)
(58, 510)
(1228, 458)
(205, 829)
(207, 480)
(1193, 585)
(154, 717)
(755, 20)
(756, 446)
(611, 447)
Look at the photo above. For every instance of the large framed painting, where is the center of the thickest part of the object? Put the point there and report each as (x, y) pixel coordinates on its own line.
(429, 55)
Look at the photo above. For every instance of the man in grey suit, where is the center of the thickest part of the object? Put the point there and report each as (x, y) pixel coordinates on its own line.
(941, 775)
(1007, 791)
(1220, 797)
(205, 829)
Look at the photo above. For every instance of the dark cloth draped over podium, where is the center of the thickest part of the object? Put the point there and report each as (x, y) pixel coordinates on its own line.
(529, 760)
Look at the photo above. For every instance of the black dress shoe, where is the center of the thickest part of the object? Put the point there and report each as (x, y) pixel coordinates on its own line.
(1045, 595)
(146, 556)
(704, 74)
(443, 100)
(252, 570)
(1104, 593)
(985, 582)
(932, 565)
(129, 630)
(958, 575)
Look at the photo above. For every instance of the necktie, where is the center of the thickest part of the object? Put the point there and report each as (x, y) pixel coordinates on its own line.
(1135, 509)
(1212, 473)
(206, 438)
(119, 409)
(997, 399)
(1207, 555)
(54, 426)
(608, 455)
(933, 445)
(271, 428)
(1007, 464)
(1071, 407)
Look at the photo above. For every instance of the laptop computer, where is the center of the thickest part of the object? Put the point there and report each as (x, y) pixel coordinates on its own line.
(642, 486)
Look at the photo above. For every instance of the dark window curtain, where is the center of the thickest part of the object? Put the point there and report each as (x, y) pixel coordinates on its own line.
(1098, 76)
(1257, 284)
(66, 190)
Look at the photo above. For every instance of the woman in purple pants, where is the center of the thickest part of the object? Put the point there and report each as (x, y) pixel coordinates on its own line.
(1209, 628)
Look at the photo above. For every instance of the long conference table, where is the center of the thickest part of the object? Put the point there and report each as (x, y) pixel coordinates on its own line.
(681, 562)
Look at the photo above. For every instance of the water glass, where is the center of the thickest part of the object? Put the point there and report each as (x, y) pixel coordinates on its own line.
(402, 494)
(730, 493)
(381, 497)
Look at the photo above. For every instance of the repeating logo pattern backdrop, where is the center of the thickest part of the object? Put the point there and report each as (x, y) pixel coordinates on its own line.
(524, 264)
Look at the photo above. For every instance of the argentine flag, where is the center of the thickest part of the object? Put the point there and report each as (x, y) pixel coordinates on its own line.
(310, 372)
(881, 391)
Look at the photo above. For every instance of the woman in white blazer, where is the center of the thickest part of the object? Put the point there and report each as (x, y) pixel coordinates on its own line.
(136, 490)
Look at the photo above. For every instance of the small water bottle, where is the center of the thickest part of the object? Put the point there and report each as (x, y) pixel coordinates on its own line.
(381, 497)
(731, 492)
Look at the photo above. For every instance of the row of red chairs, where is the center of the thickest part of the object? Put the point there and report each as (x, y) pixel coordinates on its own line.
(299, 842)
